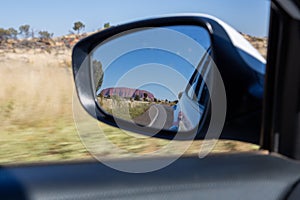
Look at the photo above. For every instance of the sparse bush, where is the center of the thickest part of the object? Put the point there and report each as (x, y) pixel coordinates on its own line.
(45, 35)
(145, 96)
(24, 30)
(137, 98)
(78, 26)
(13, 33)
(107, 25)
(4, 34)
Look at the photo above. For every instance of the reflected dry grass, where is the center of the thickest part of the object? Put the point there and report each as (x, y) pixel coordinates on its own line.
(36, 119)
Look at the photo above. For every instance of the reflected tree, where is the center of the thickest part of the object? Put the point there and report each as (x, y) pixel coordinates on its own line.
(145, 96)
(107, 25)
(137, 97)
(98, 74)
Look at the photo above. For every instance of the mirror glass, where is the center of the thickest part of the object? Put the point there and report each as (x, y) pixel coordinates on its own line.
(154, 77)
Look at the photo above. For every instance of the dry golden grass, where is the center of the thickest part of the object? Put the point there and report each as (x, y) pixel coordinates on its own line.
(36, 119)
(34, 93)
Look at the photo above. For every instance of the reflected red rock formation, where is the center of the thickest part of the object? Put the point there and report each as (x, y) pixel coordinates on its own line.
(127, 93)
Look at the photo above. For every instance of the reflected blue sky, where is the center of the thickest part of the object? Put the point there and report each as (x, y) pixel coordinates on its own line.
(163, 67)
(150, 68)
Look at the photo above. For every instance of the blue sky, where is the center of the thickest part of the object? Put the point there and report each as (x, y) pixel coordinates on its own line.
(58, 16)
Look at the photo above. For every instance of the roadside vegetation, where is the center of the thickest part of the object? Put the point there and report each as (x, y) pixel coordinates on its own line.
(124, 109)
(37, 120)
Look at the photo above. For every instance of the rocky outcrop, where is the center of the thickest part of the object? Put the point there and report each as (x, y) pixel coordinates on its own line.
(68, 41)
(126, 93)
(64, 42)
(58, 49)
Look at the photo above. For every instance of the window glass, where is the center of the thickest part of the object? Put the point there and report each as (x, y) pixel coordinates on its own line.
(192, 90)
(36, 90)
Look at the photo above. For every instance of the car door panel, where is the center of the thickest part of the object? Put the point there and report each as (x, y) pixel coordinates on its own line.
(240, 176)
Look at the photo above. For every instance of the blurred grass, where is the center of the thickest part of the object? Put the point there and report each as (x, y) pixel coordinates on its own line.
(40, 144)
(36, 120)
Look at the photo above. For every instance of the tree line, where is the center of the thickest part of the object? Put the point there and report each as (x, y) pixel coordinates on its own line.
(23, 31)
(26, 31)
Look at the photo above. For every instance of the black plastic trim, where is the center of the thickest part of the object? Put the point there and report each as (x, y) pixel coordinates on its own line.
(280, 131)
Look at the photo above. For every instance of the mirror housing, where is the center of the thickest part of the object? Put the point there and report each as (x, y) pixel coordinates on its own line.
(241, 69)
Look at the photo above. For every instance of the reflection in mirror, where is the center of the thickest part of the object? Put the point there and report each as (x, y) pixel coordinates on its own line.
(153, 77)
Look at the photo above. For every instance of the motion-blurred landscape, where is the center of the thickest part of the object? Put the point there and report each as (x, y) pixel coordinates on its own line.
(36, 117)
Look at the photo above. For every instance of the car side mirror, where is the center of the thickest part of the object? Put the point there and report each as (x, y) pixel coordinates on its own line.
(156, 77)
(138, 74)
